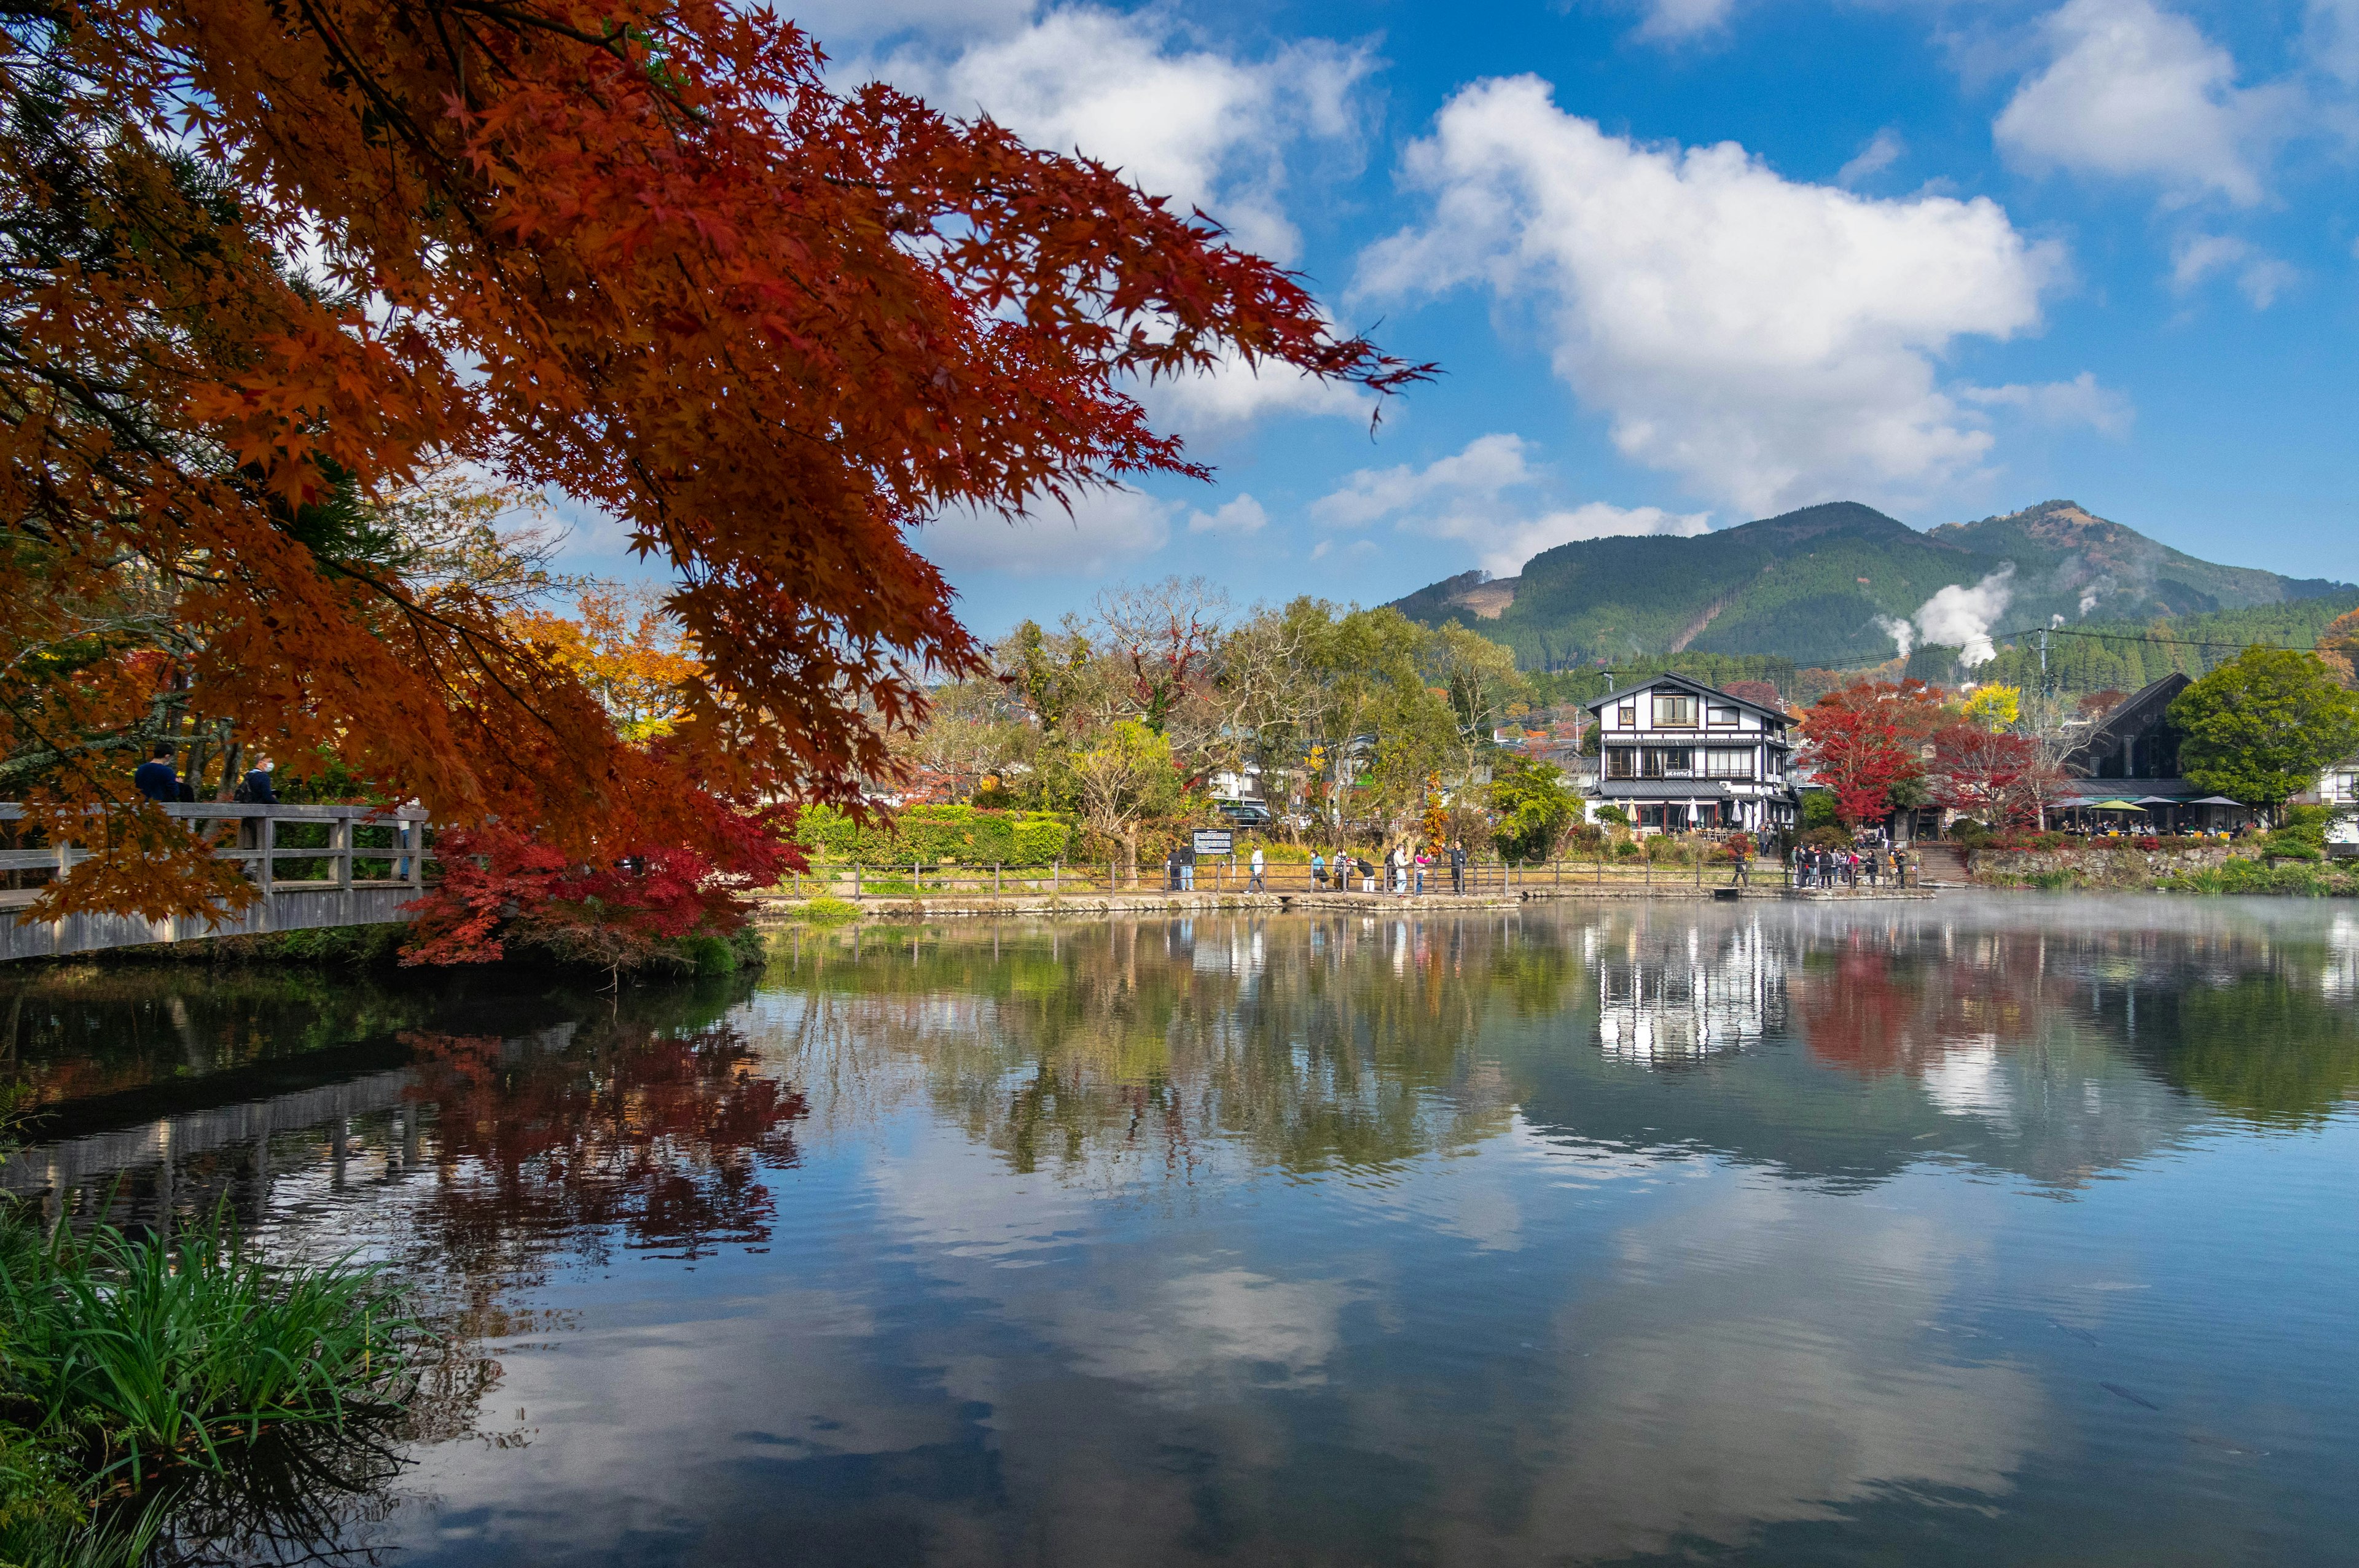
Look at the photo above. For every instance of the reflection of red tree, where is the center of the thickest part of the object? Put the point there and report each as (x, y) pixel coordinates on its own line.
(1874, 1011)
(656, 1136)
(1858, 1016)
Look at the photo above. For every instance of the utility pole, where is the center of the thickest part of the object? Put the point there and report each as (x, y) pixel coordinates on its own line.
(2043, 661)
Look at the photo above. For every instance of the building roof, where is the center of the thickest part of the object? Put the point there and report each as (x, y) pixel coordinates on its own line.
(1686, 683)
(2134, 716)
(1689, 789)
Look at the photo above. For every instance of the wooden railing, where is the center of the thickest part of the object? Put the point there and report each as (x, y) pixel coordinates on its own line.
(370, 861)
(933, 879)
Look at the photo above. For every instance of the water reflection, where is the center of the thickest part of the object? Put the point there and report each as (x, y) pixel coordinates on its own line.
(1756, 1234)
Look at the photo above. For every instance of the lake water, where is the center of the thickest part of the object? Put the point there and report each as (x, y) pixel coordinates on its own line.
(1955, 1232)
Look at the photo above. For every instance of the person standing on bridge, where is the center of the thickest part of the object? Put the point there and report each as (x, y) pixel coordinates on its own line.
(156, 778)
(257, 788)
(1254, 884)
(1188, 867)
(1457, 866)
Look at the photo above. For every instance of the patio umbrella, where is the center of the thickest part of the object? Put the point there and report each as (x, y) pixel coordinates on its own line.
(2111, 806)
(2216, 800)
(2159, 800)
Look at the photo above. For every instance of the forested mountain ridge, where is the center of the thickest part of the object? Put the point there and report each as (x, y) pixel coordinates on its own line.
(1826, 585)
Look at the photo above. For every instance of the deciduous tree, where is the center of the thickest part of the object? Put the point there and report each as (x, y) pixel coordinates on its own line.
(2262, 727)
(1862, 743)
(265, 267)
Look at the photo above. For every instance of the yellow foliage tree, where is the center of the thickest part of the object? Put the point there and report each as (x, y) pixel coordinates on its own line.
(627, 650)
(1995, 707)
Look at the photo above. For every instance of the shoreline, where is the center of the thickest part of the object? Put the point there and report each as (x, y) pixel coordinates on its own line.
(779, 911)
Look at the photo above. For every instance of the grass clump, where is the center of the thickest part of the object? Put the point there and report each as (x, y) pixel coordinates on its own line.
(824, 910)
(126, 1357)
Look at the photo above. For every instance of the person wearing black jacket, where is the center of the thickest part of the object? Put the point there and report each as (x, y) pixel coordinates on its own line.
(255, 788)
(1457, 866)
(156, 778)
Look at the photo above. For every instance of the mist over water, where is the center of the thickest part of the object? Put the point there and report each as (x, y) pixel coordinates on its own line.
(1968, 1231)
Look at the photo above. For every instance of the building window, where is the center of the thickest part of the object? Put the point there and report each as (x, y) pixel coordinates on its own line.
(1728, 763)
(1650, 816)
(1674, 711)
(1665, 762)
(1626, 715)
(1720, 717)
(1620, 763)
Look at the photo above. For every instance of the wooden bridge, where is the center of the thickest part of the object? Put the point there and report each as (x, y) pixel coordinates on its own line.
(367, 862)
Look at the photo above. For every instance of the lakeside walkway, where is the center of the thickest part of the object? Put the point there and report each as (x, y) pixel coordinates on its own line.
(777, 909)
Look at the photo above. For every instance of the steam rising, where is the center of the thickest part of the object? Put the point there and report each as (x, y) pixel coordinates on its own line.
(1958, 617)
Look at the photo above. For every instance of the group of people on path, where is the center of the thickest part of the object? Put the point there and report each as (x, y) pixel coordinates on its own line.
(1403, 869)
(158, 780)
(1818, 866)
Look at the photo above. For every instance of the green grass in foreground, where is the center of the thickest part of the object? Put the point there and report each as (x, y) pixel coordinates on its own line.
(125, 1357)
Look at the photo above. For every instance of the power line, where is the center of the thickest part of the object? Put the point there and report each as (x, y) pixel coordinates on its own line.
(2147, 637)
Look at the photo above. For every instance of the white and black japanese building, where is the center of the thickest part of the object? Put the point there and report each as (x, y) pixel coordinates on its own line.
(1680, 756)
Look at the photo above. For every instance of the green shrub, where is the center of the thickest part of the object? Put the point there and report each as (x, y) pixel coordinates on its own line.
(828, 911)
(970, 835)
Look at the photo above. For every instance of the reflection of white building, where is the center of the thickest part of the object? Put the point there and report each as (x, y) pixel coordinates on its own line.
(1673, 1006)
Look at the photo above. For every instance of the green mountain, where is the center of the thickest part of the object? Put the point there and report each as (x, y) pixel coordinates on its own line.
(1827, 584)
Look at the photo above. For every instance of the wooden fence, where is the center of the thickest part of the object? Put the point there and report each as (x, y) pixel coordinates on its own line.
(314, 866)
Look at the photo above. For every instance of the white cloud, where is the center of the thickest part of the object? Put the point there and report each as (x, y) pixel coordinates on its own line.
(2080, 401)
(2260, 277)
(1458, 497)
(1203, 128)
(1676, 21)
(1489, 464)
(2137, 93)
(1772, 342)
(1107, 529)
(2330, 38)
(1234, 394)
(1242, 516)
(1504, 546)
(1883, 150)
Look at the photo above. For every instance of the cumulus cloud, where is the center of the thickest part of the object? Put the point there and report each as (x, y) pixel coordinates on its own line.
(2080, 401)
(1234, 393)
(1107, 529)
(1677, 21)
(1770, 341)
(1883, 150)
(1242, 516)
(1489, 465)
(2136, 92)
(2259, 277)
(1201, 127)
(1459, 497)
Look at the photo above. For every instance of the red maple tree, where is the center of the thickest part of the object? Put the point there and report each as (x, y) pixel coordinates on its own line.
(270, 264)
(1992, 776)
(1862, 742)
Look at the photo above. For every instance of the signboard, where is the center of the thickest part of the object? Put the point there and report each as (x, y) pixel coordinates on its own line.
(1214, 841)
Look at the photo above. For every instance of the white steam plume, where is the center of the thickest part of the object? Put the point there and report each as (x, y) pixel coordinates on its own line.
(1903, 635)
(1960, 617)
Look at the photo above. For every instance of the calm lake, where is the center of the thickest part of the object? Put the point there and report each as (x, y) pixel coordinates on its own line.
(1968, 1231)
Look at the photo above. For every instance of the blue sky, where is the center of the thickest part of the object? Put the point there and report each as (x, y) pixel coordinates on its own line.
(1692, 262)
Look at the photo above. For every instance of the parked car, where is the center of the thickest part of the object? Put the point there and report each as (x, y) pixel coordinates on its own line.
(1244, 813)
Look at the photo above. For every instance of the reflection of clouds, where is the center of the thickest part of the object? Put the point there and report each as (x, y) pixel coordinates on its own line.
(1755, 1355)
(1969, 1079)
(1197, 1333)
